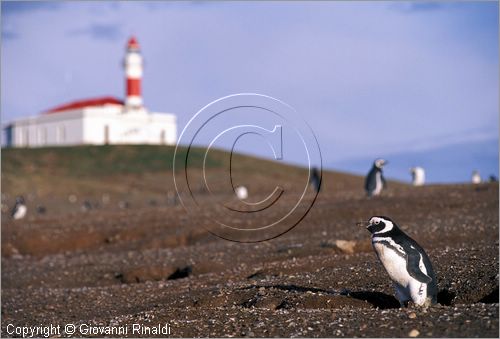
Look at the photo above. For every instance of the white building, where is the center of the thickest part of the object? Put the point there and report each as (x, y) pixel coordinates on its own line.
(98, 121)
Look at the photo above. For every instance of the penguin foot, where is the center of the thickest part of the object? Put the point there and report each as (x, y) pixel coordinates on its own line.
(404, 303)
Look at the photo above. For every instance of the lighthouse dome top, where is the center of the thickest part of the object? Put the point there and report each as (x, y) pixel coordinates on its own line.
(132, 43)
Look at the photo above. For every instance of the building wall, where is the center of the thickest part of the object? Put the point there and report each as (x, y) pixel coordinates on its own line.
(48, 130)
(94, 126)
(137, 127)
(164, 128)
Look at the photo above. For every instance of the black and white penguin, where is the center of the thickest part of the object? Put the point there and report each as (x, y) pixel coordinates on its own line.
(417, 176)
(375, 181)
(476, 177)
(405, 261)
(315, 179)
(86, 206)
(40, 209)
(19, 210)
(123, 204)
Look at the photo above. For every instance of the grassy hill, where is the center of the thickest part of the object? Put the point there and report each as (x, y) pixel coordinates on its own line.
(95, 161)
(135, 172)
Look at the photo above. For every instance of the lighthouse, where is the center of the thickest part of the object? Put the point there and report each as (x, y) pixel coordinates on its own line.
(133, 74)
(103, 120)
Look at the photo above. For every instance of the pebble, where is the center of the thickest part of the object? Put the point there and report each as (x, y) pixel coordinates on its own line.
(346, 246)
(412, 315)
(413, 333)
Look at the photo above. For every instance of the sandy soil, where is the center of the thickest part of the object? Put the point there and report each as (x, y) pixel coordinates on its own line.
(156, 264)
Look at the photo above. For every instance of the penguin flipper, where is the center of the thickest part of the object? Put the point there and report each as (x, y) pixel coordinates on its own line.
(370, 182)
(13, 211)
(413, 267)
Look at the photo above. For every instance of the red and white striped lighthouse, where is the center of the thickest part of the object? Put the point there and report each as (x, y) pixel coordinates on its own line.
(133, 74)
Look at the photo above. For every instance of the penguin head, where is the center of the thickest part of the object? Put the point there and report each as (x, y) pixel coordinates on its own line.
(379, 163)
(20, 200)
(379, 224)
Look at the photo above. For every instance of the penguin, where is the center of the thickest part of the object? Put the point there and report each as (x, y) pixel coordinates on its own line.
(72, 198)
(375, 181)
(417, 176)
(172, 198)
(123, 204)
(405, 261)
(20, 209)
(86, 206)
(241, 192)
(40, 209)
(105, 198)
(476, 177)
(315, 179)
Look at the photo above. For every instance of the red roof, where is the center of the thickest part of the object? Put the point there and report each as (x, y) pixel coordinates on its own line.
(95, 102)
(132, 43)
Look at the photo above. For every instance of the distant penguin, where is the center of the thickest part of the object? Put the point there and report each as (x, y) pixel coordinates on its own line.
(86, 206)
(476, 177)
(41, 209)
(20, 209)
(105, 198)
(407, 264)
(417, 176)
(172, 198)
(315, 179)
(241, 192)
(493, 178)
(375, 181)
(123, 204)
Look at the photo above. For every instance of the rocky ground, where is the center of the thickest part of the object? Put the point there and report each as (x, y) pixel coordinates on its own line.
(157, 264)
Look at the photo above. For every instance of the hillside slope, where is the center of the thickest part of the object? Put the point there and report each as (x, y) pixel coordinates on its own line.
(139, 174)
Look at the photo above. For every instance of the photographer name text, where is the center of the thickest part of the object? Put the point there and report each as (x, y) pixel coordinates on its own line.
(70, 330)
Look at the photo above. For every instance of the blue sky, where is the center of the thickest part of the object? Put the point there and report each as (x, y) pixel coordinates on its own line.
(371, 79)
